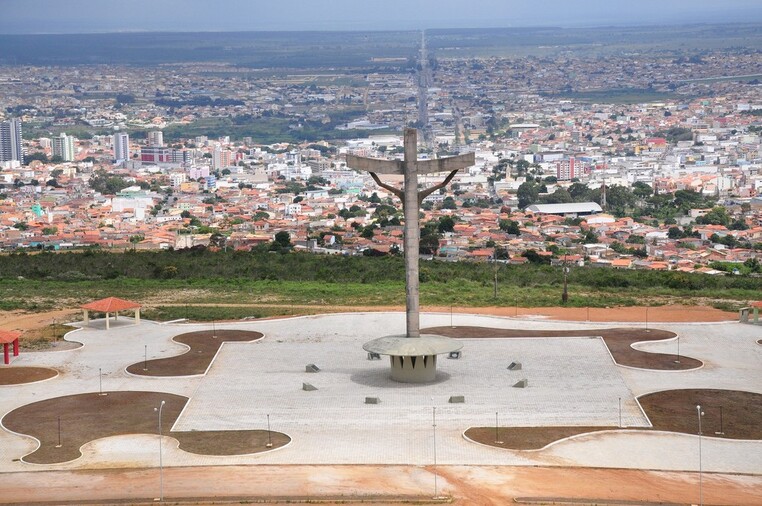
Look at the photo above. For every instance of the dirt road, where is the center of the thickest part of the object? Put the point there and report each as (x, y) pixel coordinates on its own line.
(467, 485)
(17, 320)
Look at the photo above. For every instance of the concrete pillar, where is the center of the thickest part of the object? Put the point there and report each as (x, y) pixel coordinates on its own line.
(86, 317)
(107, 327)
(421, 369)
(412, 237)
(137, 316)
(756, 315)
(5, 353)
(16, 347)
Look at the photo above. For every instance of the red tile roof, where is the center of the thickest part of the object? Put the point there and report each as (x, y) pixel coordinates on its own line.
(110, 305)
(8, 336)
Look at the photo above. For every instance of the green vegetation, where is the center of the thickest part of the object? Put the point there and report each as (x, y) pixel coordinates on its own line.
(168, 280)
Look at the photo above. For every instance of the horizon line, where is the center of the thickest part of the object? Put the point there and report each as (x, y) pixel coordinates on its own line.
(387, 30)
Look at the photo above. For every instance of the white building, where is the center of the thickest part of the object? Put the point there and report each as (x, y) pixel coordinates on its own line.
(121, 143)
(63, 146)
(156, 139)
(11, 145)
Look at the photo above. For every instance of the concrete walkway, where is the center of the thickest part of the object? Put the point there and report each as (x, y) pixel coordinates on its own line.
(572, 381)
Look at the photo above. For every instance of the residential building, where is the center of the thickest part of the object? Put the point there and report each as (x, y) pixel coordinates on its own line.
(63, 146)
(566, 169)
(11, 145)
(156, 139)
(121, 144)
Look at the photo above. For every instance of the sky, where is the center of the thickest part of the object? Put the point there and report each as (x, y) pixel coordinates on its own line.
(97, 16)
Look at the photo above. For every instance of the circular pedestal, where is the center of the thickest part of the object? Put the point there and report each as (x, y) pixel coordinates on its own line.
(414, 369)
(413, 359)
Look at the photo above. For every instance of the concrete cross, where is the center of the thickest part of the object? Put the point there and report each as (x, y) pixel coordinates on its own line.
(411, 202)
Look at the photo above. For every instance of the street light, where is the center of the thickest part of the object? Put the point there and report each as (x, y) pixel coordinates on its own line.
(434, 426)
(161, 461)
(269, 438)
(700, 413)
(565, 294)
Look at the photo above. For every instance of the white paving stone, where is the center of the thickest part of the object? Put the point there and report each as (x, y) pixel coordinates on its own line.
(571, 381)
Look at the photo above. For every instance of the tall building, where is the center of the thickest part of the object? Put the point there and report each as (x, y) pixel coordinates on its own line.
(121, 147)
(221, 158)
(566, 169)
(11, 145)
(63, 146)
(156, 139)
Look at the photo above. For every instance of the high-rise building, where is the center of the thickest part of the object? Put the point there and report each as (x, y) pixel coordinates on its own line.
(11, 145)
(566, 170)
(221, 158)
(121, 144)
(63, 146)
(156, 139)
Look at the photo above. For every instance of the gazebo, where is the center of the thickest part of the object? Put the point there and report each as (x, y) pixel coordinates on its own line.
(111, 305)
(7, 337)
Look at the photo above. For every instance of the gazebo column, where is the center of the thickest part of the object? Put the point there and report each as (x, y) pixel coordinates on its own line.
(5, 353)
(16, 347)
(86, 315)
(107, 327)
(137, 316)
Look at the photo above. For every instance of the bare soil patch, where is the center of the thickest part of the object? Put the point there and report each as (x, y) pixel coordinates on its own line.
(21, 375)
(526, 438)
(87, 417)
(203, 344)
(230, 442)
(618, 340)
(733, 413)
(670, 410)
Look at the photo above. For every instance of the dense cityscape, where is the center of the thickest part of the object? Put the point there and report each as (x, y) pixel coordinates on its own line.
(647, 162)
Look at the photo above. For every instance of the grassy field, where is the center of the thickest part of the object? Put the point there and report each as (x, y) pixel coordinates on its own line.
(282, 284)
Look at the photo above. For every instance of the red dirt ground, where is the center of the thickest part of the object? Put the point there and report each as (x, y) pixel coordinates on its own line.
(203, 347)
(86, 417)
(19, 375)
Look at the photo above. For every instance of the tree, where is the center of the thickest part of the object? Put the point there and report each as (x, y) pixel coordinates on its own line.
(449, 203)
(107, 184)
(445, 224)
(374, 198)
(675, 233)
(535, 257)
(717, 216)
(642, 190)
(509, 227)
(579, 192)
(283, 238)
(527, 194)
(49, 230)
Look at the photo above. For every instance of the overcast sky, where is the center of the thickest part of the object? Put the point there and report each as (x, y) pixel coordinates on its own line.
(86, 16)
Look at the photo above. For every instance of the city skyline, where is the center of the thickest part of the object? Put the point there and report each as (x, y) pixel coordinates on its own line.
(90, 16)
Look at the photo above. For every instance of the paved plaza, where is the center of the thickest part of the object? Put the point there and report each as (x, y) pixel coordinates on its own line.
(571, 381)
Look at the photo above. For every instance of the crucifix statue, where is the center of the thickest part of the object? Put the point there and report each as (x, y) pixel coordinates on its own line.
(411, 202)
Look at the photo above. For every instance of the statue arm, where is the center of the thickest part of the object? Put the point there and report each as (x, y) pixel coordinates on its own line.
(399, 193)
(425, 193)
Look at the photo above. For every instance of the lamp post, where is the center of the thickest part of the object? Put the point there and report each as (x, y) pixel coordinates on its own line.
(700, 413)
(161, 461)
(565, 294)
(434, 426)
(678, 349)
(269, 439)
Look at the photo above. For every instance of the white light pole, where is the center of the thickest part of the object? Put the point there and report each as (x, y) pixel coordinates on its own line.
(161, 461)
(434, 425)
(700, 413)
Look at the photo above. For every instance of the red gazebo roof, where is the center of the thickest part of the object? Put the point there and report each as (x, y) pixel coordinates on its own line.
(110, 305)
(8, 336)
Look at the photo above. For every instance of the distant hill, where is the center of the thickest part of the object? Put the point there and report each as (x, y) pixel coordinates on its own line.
(365, 49)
